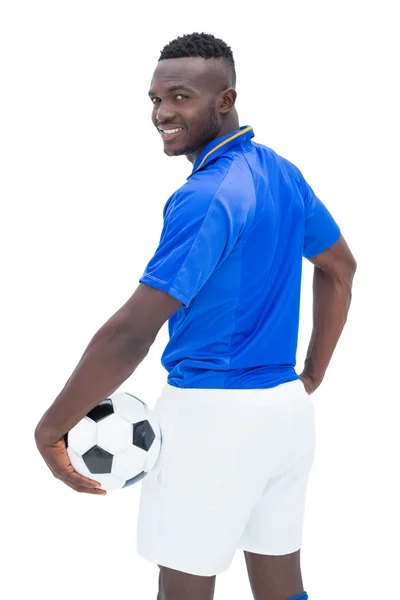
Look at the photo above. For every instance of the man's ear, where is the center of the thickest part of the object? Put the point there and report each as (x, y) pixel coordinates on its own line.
(227, 100)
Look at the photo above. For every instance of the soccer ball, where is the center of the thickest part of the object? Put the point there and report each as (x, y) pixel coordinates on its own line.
(117, 442)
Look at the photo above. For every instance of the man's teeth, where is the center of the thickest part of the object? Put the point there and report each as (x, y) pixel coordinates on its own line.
(169, 131)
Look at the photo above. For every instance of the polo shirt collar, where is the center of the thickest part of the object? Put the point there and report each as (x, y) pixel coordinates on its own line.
(220, 146)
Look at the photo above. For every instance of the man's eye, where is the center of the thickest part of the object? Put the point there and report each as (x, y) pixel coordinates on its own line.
(178, 96)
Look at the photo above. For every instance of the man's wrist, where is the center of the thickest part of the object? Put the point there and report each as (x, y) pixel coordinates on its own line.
(310, 382)
(314, 371)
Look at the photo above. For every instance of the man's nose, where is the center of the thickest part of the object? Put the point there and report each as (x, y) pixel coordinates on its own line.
(165, 112)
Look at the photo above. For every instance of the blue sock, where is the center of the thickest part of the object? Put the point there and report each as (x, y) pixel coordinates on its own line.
(303, 596)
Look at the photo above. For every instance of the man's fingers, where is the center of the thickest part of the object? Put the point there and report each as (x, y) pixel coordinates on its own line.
(83, 489)
(72, 477)
(80, 480)
(66, 472)
(58, 461)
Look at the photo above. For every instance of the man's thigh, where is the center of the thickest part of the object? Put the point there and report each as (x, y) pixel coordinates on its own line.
(176, 585)
(274, 577)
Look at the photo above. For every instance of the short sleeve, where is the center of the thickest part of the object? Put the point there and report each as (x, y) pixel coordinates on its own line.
(321, 230)
(199, 232)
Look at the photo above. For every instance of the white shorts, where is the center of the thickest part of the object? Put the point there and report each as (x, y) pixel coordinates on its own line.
(232, 474)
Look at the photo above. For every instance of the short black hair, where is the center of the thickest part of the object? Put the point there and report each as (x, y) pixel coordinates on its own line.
(204, 45)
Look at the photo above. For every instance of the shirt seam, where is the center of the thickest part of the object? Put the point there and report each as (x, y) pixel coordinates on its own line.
(205, 216)
(155, 278)
(236, 309)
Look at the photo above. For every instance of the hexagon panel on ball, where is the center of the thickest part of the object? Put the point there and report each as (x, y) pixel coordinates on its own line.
(110, 482)
(129, 407)
(114, 434)
(82, 436)
(129, 463)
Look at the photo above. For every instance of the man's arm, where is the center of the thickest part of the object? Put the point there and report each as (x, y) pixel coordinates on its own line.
(111, 357)
(333, 277)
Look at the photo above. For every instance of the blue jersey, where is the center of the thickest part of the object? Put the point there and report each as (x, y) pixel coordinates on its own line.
(231, 251)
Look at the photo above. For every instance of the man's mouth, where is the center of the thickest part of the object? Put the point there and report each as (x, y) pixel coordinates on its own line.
(169, 133)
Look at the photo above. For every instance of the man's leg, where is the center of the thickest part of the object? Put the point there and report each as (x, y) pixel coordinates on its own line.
(175, 585)
(274, 577)
(275, 526)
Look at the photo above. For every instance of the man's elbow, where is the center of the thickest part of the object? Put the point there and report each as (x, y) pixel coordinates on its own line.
(137, 340)
(128, 338)
(343, 277)
(345, 272)
(351, 268)
(352, 264)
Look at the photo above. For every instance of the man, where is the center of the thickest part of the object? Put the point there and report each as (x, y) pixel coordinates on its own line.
(237, 421)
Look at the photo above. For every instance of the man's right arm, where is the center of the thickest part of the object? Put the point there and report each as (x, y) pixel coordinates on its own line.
(333, 277)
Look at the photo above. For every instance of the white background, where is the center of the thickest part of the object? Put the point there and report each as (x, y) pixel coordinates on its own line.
(83, 184)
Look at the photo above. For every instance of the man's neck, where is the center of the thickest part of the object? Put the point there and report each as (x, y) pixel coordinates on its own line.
(230, 125)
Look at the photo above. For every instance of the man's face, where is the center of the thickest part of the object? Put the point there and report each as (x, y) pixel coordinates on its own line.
(184, 93)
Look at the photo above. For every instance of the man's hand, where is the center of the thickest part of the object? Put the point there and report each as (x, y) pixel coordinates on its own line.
(56, 457)
(308, 383)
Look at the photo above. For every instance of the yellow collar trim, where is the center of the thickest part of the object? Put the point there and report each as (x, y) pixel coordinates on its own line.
(223, 143)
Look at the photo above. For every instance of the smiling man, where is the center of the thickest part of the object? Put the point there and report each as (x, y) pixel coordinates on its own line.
(198, 121)
(236, 418)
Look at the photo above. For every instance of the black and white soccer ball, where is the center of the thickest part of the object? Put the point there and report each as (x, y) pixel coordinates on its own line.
(117, 442)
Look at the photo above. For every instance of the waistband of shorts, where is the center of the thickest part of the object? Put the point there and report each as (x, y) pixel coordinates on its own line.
(291, 390)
